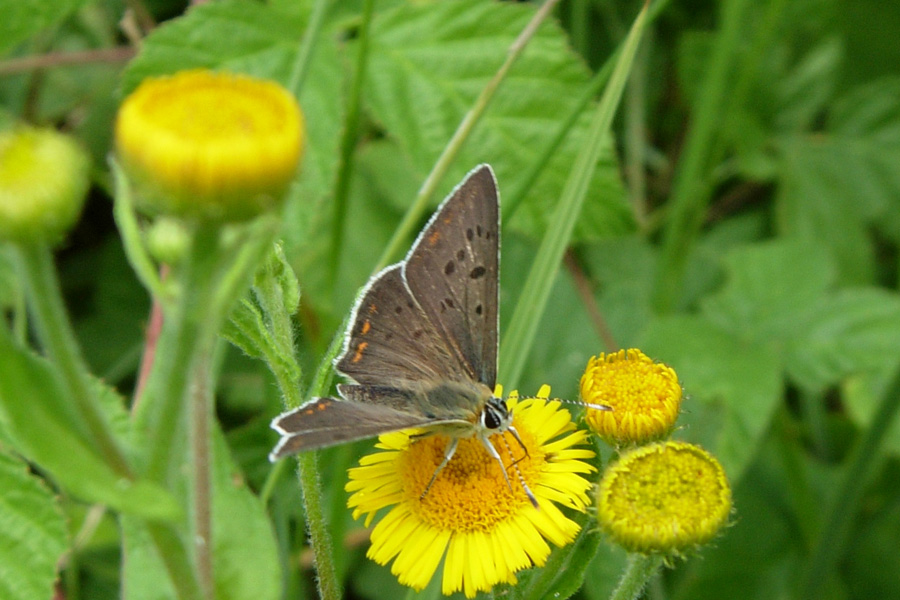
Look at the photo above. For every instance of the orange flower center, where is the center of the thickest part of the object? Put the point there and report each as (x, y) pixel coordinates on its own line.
(470, 493)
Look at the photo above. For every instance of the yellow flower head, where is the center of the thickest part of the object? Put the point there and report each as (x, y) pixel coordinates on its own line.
(645, 397)
(664, 498)
(214, 146)
(484, 531)
(43, 183)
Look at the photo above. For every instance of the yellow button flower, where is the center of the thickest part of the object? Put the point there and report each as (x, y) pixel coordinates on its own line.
(43, 183)
(213, 146)
(664, 498)
(645, 397)
(484, 531)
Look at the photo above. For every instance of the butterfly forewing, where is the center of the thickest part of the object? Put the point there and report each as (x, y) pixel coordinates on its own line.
(453, 273)
(391, 340)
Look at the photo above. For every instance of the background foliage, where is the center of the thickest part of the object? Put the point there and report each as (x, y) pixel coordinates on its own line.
(742, 226)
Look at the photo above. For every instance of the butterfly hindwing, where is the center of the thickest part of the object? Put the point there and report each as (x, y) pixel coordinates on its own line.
(324, 422)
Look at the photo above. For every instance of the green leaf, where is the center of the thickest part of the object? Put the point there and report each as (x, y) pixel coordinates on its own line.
(853, 331)
(862, 395)
(835, 186)
(21, 20)
(245, 557)
(732, 386)
(246, 329)
(37, 410)
(770, 288)
(34, 533)
(420, 87)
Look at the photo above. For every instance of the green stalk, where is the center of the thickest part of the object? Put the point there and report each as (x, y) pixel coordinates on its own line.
(845, 505)
(307, 45)
(307, 468)
(58, 340)
(176, 560)
(348, 141)
(414, 214)
(639, 570)
(201, 469)
(691, 189)
(185, 334)
(536, 292)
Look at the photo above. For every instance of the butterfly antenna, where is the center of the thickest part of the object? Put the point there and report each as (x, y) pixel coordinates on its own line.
(567, 401)
(515, 465)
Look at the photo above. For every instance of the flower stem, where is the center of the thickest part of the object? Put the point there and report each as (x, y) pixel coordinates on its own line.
(184, 333)
(55, 333)
(176, 561)
(201, 404)
(638, 572)
(307, 468)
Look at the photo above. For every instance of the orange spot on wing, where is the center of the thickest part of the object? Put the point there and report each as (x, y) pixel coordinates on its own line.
(366, 327)
(373, 309)
(434, 237)
(359, 352)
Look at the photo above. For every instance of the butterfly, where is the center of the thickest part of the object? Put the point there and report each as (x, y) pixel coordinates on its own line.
(420, 350)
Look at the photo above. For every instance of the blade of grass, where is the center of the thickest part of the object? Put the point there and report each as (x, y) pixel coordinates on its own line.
(523, 327)
(863, 462)
(513, 199)
(691, 190)
(414, 214)
(348, 142)
(304, 54)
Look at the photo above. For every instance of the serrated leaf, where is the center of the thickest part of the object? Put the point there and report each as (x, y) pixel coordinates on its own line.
(245, 556)
(420, 87)
(36, 407)
(836, 185)
(853, 331)
(21, 20)
(246, 329)
(732, 386)
(34, 533)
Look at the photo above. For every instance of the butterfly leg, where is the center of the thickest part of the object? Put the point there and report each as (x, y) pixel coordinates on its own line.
(493, 452)
(449, 451)
(515, 433)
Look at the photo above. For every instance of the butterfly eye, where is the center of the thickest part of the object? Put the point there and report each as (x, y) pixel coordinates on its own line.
(495, 415)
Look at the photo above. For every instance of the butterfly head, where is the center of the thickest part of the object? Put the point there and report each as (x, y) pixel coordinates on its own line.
(496, 416)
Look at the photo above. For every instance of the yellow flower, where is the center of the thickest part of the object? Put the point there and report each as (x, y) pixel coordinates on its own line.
(645, 397)
(43, 183)
(214, 146)
(484, 531)
(664, 498)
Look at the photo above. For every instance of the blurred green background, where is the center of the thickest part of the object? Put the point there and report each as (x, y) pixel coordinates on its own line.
(742, 226)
